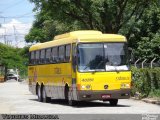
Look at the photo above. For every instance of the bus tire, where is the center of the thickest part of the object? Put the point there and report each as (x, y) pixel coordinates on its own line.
(66, 93)
(39, 94)
(70, 101)
(113, 102)
(45, 99)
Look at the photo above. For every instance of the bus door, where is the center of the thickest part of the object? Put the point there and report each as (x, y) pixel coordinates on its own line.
(74, 65)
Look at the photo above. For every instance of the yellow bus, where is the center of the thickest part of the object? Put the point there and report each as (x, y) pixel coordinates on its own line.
(80, 66)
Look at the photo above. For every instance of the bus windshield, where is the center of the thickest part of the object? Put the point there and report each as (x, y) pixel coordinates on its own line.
(102, 57)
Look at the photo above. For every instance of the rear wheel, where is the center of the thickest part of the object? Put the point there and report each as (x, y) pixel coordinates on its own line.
(44, 96)
(113, 102)
(66, 93)
(39, 94)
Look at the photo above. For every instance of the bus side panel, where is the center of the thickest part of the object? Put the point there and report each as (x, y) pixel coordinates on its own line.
(54, 77)
(31, 79)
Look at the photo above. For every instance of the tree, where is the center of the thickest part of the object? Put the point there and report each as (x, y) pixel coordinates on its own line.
(108, 16)
(136, 19)
(14, 58)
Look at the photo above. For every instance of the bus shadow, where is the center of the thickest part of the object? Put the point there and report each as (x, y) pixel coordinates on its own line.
(83, 104)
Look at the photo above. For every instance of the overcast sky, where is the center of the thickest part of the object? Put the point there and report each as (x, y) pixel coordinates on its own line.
(16, 18)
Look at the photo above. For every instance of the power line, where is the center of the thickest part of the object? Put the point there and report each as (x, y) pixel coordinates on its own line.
(13, 5)
(24, 23)
(19, 16)
(19, 34)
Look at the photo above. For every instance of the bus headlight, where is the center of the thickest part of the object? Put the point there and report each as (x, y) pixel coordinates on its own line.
(125, 85)
(83, 87)
(86, 87)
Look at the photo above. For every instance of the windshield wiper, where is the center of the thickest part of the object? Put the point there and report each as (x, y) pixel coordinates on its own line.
(87, 66)
(100, 63)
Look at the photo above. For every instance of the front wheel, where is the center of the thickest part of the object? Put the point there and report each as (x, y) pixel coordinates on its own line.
(113, 102)
(70, 101)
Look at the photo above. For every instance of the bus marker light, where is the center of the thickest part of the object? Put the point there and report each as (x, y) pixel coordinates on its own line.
(78, 87)
(106, 96)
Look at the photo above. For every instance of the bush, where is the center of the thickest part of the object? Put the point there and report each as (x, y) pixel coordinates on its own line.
(145, 81)
(155, 93)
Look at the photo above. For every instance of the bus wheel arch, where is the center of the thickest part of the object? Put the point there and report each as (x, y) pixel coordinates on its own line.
(37, 88)
(68, 96)
(66, 90)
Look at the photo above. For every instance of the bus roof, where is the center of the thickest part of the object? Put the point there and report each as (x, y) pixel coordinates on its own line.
(79, 36)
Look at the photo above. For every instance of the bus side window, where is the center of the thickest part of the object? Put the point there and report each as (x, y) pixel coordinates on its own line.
(37, 57)
(48, 54)
(54, 54)
(42, 56)
(32, 57)
(67, 54)
(29, 58)
(61, 54)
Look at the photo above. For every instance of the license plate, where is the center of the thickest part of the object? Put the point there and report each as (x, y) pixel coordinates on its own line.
(106, 96)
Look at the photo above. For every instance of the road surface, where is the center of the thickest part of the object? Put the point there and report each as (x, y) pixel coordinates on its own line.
(15, 98)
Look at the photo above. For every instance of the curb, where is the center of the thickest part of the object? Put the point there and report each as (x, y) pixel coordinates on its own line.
(148, 100)
(151, 101)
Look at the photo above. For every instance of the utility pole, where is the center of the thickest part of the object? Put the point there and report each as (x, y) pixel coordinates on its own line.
(15, 36)
(5, 36)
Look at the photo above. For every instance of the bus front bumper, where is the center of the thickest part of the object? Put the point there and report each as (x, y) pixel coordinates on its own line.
(87, 95)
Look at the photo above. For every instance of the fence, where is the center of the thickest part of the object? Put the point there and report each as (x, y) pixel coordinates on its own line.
(146, 78)
(144, 63)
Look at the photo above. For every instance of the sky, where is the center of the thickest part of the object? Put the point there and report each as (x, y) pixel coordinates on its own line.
(16, 18)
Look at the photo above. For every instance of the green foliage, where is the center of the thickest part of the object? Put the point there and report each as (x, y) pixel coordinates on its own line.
(155, 94)
(104, 15)
(145, 81)
(14, 58)
(138, 20)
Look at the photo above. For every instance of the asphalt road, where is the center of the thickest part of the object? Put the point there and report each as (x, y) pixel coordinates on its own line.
(16, 98)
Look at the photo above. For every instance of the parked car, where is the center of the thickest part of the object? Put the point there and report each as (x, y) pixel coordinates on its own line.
(12, 76)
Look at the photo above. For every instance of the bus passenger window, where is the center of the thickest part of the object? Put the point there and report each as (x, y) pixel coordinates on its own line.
(48, 55)
(32, 57)
(42, 56)
(29, 57)
(61, 53)
(54, 54)
(37, 57)
(68, 50)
